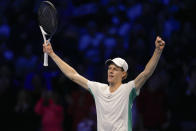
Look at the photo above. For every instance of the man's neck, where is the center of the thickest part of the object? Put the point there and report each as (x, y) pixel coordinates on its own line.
(114, 87)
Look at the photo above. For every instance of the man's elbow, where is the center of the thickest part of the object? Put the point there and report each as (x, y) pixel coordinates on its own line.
(74, 77)
(146, 74)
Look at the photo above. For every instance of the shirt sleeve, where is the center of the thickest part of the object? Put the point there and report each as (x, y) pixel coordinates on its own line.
(132, 92)
(131, 88)
(94, 87)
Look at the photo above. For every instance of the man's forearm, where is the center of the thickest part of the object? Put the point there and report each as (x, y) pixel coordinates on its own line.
(151, 65)
(70, 72)
(64, 67)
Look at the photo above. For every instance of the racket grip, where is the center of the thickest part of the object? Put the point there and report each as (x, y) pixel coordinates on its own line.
(44, 37)
(45, 59)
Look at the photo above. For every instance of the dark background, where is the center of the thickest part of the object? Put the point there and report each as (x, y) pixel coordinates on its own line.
(90, 32)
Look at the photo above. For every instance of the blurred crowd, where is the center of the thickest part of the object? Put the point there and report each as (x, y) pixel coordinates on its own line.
(37, 98)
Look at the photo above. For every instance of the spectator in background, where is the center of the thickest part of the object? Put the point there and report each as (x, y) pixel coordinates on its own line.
(7, 97)
(189, 112)
(80, 106)
(89, 122)
(28, 57)
(90, 41)
(152, 105)
(25, 118)
(4, 29)
(51, 112)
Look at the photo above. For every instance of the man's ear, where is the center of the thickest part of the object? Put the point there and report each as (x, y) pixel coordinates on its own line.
(124, 75)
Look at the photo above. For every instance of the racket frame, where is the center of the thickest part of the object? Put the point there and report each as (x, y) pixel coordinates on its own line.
(44, 34)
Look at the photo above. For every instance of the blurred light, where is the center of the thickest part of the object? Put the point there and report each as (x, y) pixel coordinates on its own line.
(86, 9)
(112, 30)
(8, 55)
(5, 30)
(122, 7)
(165, 2)
(134, 12)
(115, 20)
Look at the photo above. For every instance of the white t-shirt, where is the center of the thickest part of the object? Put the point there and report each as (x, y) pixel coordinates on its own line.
(113, 109)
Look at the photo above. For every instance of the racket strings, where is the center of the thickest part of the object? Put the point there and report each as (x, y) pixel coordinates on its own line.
(47, 17)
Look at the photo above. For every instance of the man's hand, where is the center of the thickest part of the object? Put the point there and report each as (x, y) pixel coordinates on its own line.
(48, 49)
(159, 43)
(151, 65)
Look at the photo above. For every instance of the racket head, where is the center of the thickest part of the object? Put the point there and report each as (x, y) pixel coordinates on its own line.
(47, 17)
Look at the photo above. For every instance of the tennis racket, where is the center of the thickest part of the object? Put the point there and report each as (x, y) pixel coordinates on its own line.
(47, 18)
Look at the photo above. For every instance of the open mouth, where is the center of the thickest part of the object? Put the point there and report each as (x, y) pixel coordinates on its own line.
(110, 76)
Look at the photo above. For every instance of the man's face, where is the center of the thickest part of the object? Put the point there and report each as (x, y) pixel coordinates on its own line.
(115, 74)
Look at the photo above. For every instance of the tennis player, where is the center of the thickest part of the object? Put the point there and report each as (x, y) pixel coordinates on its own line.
(113, 100)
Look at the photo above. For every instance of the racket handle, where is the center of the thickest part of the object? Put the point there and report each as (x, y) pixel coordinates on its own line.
(46, 55)
(45, 59)
(44, 37)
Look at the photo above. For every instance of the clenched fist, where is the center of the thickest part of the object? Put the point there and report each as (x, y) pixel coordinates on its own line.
(159, 43)
(47, 48)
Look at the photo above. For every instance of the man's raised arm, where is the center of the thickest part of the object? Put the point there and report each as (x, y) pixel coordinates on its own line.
(71, 73)
(151, 65)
